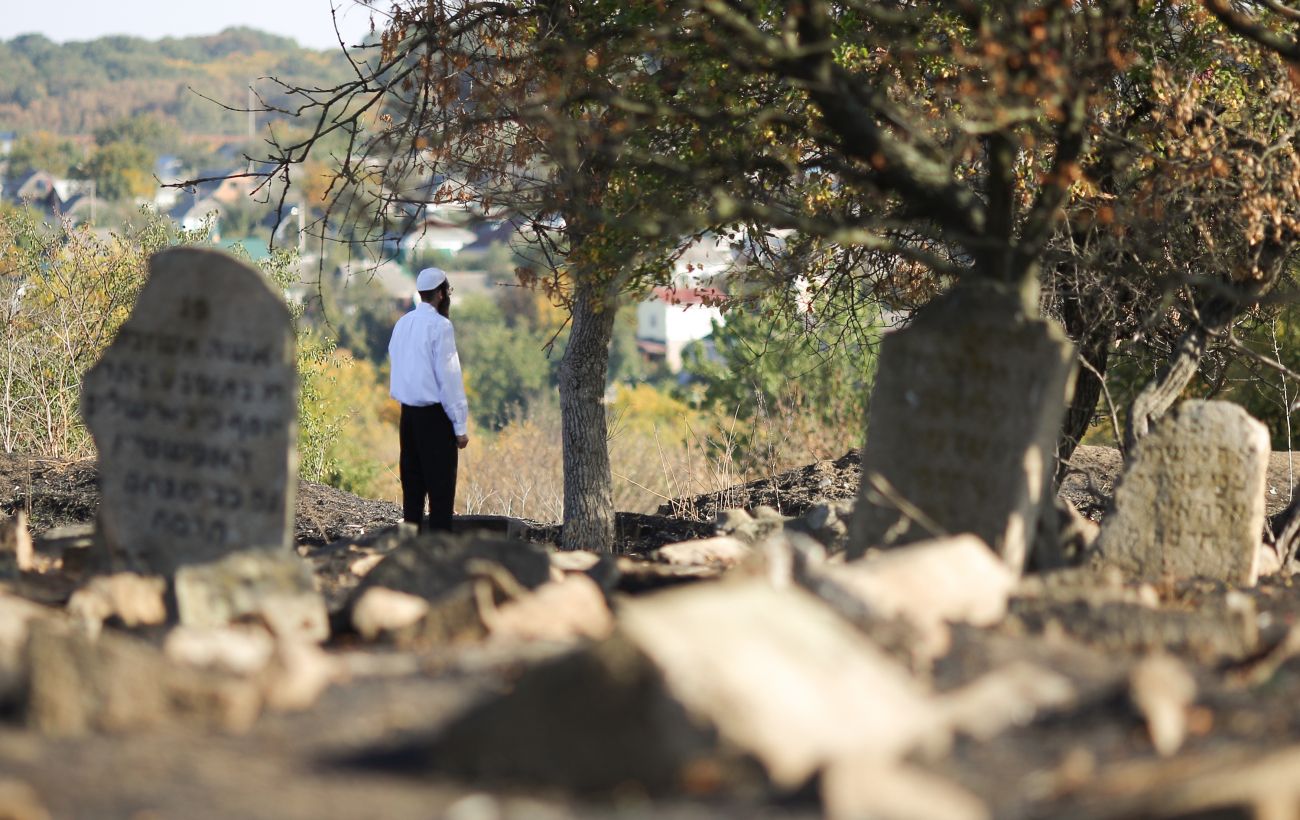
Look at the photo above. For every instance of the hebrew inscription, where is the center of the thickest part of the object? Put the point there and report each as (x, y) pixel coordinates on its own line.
(193, 410)
(962, 428)
(1191, 502)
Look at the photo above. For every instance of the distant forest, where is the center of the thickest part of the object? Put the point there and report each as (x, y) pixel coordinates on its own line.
(76, 88)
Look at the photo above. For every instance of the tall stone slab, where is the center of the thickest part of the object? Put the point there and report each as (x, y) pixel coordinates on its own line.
(193, 410)
(964, 416)
(1191, 502)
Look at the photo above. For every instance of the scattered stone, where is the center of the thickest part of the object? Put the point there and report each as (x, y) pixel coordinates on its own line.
(1163, 690)
(827, 522)
(717, 672)
(724, 648)
(242, 650)
(457, 576)
(380, 612)
(869, 789)
(116, 683)
(502, 525)
(16, 617)
(299, 674)
(19, 801)
(15, 545)
(362, 566)
(956, 579)
(1192, 500)
(135, 600)
(567, 610)
(964, 417)
(636, 575)
(721, 551)
(1220, 628)
(1013, 695)
(432, 566)
(276, 588)
(192, 408)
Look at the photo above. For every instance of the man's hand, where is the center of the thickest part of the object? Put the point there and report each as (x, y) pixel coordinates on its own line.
(461, 442)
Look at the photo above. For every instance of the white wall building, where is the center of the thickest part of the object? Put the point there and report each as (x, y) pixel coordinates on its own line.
(673, 318)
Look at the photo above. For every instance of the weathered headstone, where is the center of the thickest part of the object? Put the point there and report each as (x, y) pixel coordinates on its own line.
(964, 417)
(1192, 500)
(193, 410)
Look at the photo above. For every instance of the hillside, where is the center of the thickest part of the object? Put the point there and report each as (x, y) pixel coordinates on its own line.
(74, 88)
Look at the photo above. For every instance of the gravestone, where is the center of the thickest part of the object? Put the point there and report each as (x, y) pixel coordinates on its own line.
(193, 410)
(1191, 502)
(965, 411)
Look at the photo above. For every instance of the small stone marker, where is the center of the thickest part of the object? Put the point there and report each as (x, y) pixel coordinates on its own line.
(1192, 499)
(193, 409)
(964, 417)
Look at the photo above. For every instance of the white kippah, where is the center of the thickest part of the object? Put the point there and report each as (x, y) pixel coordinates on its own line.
(430, 279)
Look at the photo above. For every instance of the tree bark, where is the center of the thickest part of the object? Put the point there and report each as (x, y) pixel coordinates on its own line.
(1159, 394)
(1093, 337)
(588, 485)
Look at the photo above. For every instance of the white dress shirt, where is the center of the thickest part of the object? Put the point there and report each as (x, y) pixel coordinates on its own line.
(426, 366)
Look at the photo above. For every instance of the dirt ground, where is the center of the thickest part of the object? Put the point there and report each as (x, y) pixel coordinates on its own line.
(1091, 757)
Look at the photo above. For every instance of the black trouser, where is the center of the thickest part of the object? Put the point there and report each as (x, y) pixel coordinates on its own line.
(428, 465)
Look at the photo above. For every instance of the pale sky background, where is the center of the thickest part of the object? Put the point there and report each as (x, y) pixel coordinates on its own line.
(307, 21)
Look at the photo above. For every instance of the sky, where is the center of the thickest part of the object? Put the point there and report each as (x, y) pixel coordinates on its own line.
(307, 21)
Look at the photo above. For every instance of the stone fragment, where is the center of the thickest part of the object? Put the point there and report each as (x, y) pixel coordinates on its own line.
(1191, 502)
(15, 545)
(379, 611)
(721, 550)
(702, 676)
(115, 683)
(825, 689)
(1163, 690)
(567, 610)
(276, 588)
(242, 650)
(1010, 696)
(434, 565)
(16, 617)
(956, 579)
(299, 674)
(193, 411)
(964, 415)
(868, 789)
(19, 801)
(135, 600)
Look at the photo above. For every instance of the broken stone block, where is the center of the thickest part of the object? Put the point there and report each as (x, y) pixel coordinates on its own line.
(379, 612)
(16, 617)
(1163, 690)
(15, 545)
(243, 650)
(277, 588)
(868, 789)
(135, 600)
(432, 565)
(828, 690)
(456, 576)
(567, 610)
(931, 583)
(719, 672)
(19, 801)
(116, 683)
(1010, 696)
(721, 550)
(1191, 502)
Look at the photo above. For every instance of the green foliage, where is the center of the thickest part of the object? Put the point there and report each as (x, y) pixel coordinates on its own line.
(42, 151)
(777, 362)
(80, 87)
(505, 366)
(121, 170)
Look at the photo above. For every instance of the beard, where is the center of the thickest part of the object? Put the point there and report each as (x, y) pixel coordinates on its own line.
(444, 306)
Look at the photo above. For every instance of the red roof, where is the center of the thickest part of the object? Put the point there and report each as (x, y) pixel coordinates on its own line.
(689, 296)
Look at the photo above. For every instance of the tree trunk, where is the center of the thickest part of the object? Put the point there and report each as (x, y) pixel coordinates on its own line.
(1093, 338)
(1159, 394)
(588, 486)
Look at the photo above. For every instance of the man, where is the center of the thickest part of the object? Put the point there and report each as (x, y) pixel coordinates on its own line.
(426, 380)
